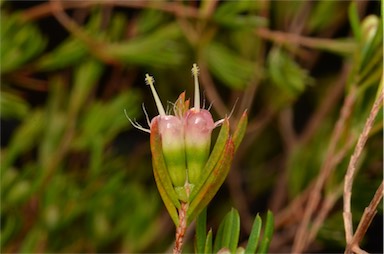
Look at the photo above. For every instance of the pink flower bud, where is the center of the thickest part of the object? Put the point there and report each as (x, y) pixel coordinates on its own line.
(171, 130)
(198, 131)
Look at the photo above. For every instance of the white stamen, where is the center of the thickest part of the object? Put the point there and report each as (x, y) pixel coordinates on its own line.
(195, 73)
(146, 115)
(233, 109)
(204, 99)
(136, 124)
(150, 81)
(210, 106)
(219, 122)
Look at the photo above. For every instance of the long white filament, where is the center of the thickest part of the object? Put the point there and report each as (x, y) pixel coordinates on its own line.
(195, 73)
(150, 81)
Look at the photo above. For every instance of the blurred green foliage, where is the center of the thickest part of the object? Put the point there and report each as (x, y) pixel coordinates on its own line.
(75, 175)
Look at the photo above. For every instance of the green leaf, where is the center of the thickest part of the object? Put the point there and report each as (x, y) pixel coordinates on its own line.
(320, 20)
(253, 239)
(67, 53)
(213, 158)
(213, 183)
(201, 234)
(112, 122)
(208, 243)
(73, 50)
(159, 49)
(227, 66)
(228, 233)
(268, 232)
(241, 128)
(20, 42)
(150, 20)
(86, 77)
(286, 74)
(372, 30)
(12, 106)
(231, 8)
(231, 14)
(25, 138)
(162, 178)
(354, 20)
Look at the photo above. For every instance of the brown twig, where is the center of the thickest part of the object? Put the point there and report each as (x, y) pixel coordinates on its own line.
(294, 209)
(44, 10)
(326, 207)
(327, 104)
(96, 47)
(289, 38)
(349, 176)
(328, 166)
(366, 219)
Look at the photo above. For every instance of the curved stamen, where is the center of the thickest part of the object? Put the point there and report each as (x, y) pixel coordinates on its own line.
(195, 73)
(146, 114)
(135, 124)
(150, 81)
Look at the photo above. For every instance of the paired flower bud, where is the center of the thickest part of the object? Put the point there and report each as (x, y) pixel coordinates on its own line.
(185, 137)
(184, 167)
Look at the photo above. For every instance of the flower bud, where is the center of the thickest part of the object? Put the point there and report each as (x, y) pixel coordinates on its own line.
(171, 130)
(198, 130)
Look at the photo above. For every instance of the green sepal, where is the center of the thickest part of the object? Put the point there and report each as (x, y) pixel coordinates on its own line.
(213, 158)
(213, 182)
(163, 181)
(239, 133)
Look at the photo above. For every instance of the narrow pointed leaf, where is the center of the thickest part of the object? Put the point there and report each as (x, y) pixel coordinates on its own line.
(167, 201)
(268, 232)
(213, 158)
(208, 243)
(239, 133)
(213, 183)
(231, 230)
(354, 20)
(253, 239)
(201, 227)
(228, 232)
(163, 180)
(219, 238)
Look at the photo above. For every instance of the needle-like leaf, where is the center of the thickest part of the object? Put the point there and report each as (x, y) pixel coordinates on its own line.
(239, 133)
(213, 158)
(254, 237)
(166, 199)
(214, 181)
(163, 180)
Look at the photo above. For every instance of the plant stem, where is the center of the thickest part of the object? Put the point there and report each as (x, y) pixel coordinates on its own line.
(349, 176)
(180, 230)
